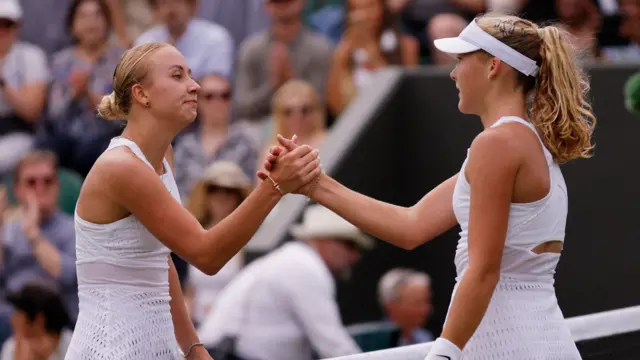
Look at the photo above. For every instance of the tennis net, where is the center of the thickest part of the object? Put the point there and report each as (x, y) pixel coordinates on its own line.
(613, 334)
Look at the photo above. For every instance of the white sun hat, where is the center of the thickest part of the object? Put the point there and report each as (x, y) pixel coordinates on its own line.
(320, 222)
(473, 38)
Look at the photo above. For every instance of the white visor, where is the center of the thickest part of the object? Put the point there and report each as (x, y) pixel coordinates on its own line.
(473, 38)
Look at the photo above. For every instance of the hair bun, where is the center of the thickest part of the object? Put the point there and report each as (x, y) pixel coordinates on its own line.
(109, 109)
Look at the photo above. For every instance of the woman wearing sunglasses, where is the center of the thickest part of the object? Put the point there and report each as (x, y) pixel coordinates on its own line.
(214, 137)
(297, 110)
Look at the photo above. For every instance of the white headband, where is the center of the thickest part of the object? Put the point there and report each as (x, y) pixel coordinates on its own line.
(473, 38)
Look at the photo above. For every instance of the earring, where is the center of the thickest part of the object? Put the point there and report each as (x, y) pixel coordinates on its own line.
(147, 104)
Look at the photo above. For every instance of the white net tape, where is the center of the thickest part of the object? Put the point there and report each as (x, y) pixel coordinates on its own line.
(586, 327)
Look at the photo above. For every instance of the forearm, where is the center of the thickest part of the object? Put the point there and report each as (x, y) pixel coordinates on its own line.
(469, 305)
(25, 106)
(119, 22)
(48, 256)
(186, 334)
(385, 221)
(231, 234)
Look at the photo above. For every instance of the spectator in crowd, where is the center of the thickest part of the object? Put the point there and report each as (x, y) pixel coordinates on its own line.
(208, 47)
(297, 110)
(269, 59)
(82, 74)
(132, 16)
(24, 74)
(371, 41)
(39, 242)
(241, 18)
(629, 29)
(214, 138)
(405, 296)
(427, 20)
(218, 193)
(44, 24)
(583, 20)
(289, 294)
(40, 325)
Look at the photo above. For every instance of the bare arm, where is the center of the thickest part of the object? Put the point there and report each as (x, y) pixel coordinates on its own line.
(400, 226)
(130, 184)
(28, 100)
(410, 51)
(337, 71)
(491, 170)
(185, 331)
(119, 22)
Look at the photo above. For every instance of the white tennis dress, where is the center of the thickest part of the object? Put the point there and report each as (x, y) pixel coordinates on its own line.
(523, 320)
(123, 283)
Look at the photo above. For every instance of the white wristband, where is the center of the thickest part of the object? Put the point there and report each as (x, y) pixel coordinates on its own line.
(444, 349)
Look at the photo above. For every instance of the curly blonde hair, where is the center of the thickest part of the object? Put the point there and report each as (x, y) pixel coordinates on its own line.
(560, 107)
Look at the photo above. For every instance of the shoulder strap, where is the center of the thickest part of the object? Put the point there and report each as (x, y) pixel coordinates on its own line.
(120, 141)
(509, 119)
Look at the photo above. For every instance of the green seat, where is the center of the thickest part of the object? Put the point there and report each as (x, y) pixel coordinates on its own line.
(312, 5)
(70, 183)
(373, 336)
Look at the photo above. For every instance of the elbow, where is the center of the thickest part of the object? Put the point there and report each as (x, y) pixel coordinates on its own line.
(410, 241)
(207, 265)
(411, 236)
(210, 269)
(485, 276)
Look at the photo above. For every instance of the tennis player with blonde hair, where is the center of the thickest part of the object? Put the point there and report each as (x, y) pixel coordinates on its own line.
(510, 197)
(129, 218)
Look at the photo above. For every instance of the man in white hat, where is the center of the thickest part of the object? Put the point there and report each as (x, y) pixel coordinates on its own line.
(282, 306)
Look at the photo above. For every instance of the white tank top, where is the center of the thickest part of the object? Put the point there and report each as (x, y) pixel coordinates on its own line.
(523, 320)
(530, 224)
(123, 283)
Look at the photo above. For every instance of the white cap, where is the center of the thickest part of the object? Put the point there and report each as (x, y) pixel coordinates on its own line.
(10, 9)
(473, 38)
(319, 221)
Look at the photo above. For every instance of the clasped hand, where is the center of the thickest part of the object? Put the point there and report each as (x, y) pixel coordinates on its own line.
(293, 167)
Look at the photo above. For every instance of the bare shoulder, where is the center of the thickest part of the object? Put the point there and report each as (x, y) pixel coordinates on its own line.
(114, 172)
(499, 146)
(117, 166)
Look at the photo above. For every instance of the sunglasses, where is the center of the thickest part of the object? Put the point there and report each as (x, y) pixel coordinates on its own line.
(32, 182)
(219, 95)
(304, 110)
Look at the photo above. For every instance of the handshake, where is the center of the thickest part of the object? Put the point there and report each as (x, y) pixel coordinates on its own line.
(292, 168)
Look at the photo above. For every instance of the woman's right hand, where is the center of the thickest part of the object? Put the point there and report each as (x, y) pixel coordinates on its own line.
(295, 169)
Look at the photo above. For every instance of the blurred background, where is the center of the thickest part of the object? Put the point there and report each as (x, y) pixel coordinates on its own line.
(358, 79)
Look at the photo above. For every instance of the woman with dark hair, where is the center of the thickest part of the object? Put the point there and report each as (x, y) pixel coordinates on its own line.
(372, 40)
(81, 75)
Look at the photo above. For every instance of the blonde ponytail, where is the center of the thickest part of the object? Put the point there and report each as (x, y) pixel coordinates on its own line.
(561, 110)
